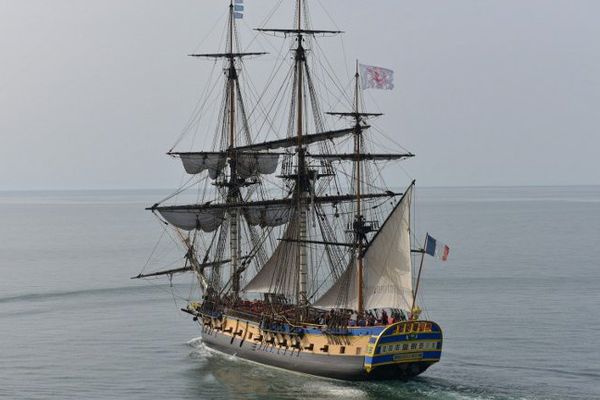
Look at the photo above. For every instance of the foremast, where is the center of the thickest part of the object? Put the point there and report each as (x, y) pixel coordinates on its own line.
(235, 182)
(214, 162)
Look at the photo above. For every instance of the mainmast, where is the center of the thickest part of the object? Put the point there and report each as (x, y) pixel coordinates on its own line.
(303, 184)
(233, 184)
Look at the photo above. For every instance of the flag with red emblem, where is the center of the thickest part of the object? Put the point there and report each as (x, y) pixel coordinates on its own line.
(372, 77)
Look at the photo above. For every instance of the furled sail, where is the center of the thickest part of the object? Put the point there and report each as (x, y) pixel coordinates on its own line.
(268, 215)
(206, 219)
(294, 141)
(363, 156)
(194, 163)
(251, 164)
(248, 163)
(265, 212)
(387, 273)
(279, 274)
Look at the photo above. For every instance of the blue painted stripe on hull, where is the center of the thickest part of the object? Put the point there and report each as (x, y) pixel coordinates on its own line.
(411, 336)
(427, 356)
(367, 331)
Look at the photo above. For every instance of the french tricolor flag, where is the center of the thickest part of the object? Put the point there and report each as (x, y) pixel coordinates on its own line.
(436, 249)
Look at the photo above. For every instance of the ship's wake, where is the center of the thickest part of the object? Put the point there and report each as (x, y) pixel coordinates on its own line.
(260, 380)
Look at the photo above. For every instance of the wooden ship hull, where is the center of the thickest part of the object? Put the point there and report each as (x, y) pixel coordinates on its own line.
(400, 350)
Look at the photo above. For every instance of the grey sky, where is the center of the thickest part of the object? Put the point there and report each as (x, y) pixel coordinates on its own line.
(93, 93)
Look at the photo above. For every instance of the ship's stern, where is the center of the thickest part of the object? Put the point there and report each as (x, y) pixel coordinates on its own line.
(403, 350)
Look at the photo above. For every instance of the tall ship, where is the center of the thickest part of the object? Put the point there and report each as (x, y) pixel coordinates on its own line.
(303, 257)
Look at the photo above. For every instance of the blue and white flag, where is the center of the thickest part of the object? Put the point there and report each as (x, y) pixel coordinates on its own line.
(238, 9)
(436, 249)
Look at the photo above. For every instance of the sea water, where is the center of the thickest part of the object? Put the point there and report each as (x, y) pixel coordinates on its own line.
(519, 302)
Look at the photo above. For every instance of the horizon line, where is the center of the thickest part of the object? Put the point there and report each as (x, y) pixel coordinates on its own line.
(424, 187)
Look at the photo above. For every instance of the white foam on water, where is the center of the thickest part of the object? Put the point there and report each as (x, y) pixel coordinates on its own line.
(332, 389)
(201, 351)
(195, 342)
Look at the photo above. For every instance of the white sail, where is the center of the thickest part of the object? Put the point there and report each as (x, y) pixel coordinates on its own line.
(280, 273)
(344, 292)
(268, 215)
(387, 272)
(256, 163)
(248, 164)
(194, 163)
(207, 220)
(387, 261)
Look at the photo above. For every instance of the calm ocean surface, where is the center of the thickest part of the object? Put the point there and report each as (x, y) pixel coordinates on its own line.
(519, 302)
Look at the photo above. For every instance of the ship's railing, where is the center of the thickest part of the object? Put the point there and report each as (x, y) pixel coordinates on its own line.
(242, 314)
(277, 323)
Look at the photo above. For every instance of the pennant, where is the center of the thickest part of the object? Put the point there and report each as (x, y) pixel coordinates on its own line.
(238, 9)
(436, 249)
(376, 77)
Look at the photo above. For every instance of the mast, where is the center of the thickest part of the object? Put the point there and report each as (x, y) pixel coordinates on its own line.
(360, 227)
(302, 182)
(233, 184)
(303, 177)
(358, 183)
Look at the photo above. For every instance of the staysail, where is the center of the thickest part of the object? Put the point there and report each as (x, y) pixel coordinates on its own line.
(387, 280)
(279, 274)
(344, 292)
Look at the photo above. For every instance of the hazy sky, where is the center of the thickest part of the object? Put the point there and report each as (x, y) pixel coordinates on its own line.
(93, 93)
